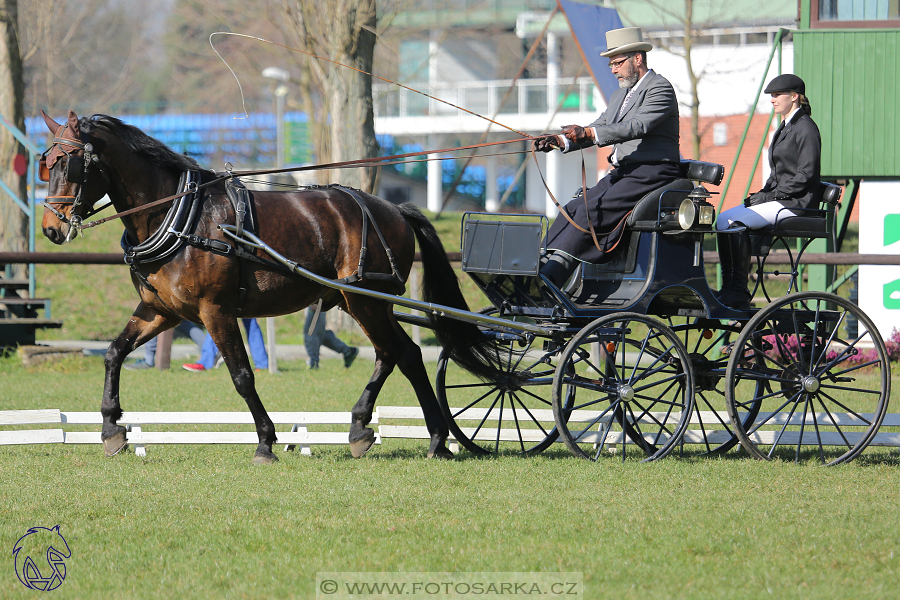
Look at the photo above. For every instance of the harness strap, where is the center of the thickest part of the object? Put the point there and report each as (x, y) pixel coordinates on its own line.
(360, 270)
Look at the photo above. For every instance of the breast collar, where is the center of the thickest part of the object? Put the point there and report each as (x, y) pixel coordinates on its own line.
(180, 219)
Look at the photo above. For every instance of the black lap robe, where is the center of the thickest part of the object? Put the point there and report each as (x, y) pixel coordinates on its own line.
(609, 203)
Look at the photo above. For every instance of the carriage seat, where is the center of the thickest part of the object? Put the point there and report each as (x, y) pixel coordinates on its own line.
(812, 223)
(658, 210)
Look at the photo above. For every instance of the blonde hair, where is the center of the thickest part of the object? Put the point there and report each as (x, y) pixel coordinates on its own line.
(804, 103)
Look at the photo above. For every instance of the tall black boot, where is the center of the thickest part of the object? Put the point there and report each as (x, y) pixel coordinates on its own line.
(734, 253)
(558, 268)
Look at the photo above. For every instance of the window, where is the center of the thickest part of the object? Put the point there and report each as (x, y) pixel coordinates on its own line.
(854, 13)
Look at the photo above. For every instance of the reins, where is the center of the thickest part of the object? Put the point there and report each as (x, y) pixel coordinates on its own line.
(562, 211)
(378, 161)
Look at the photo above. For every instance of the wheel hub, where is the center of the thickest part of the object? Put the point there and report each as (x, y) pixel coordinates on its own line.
(626, 393)
(810, 384)
(704, 378)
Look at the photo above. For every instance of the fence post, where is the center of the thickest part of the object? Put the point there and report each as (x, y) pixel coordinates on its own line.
(270, 343)
(164, 349)
(414, 294)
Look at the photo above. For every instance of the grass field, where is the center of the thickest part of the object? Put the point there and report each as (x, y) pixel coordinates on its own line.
(200, 522)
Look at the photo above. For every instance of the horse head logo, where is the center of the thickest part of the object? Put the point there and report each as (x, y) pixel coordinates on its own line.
(40, 558)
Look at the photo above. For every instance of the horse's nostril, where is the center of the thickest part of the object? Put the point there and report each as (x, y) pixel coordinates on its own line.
(53, 234)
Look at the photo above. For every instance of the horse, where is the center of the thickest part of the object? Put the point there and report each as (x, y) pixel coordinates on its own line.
(322, 228)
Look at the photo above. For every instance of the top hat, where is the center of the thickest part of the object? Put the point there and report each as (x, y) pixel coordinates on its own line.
(786, 83)
(627, 39)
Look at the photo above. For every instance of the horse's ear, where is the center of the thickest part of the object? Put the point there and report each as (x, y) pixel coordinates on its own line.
(73, 123)
(52, 125)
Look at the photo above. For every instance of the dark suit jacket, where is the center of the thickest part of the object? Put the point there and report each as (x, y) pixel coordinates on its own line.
(648, 131)
(795, 158)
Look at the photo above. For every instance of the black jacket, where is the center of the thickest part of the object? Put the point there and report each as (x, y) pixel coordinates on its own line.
(795, 157)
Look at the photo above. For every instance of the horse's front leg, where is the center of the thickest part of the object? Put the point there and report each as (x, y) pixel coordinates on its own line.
(143, 326)
(227, 336)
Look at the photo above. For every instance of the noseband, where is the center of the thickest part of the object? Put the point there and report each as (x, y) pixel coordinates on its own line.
(77, 171)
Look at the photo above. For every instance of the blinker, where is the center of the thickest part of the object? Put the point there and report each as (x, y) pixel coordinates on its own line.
(75, 169)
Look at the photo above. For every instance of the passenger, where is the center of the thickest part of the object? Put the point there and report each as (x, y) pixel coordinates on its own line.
(642, 121)
(794, 157)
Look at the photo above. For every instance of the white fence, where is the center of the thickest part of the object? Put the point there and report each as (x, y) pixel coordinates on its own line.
(389, 422)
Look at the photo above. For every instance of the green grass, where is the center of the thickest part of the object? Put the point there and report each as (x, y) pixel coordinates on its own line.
(200, 522)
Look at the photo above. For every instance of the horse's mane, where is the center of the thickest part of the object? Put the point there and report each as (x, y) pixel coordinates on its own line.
(139, 142)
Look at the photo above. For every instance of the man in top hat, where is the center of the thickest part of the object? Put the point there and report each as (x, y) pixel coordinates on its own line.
(641, 122)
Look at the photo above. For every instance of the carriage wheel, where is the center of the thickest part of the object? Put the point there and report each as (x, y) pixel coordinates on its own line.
(707, 342)
(622, 380)
(825, 393)
(506, 415)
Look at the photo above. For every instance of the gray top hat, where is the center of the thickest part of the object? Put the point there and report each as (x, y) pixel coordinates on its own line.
(627, 39)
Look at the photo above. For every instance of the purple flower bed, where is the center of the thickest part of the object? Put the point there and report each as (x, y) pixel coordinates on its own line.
(788, 345)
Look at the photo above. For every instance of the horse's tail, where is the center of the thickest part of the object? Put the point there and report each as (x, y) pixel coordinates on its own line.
(467, 345)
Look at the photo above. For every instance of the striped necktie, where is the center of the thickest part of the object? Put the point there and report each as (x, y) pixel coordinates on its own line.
(625, 102)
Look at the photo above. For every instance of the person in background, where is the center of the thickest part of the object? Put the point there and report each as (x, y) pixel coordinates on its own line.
(186, 328)
(793, 185)
(210, 357)
(323, 337)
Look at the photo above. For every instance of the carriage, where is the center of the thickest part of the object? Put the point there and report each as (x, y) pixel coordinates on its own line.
(641, 355)
(634, 356)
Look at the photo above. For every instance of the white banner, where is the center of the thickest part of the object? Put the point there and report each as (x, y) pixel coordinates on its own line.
(879, 233)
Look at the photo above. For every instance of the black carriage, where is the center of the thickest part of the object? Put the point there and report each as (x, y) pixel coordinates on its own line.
(636, 354)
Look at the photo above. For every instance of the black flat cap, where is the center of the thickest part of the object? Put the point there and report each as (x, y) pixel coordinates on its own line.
(786, 83)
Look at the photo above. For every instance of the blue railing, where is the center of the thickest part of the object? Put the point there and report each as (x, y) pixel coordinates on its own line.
(26, 204)
(214, 139)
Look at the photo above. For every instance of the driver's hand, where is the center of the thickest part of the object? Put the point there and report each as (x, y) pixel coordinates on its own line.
(548, 143)
(577, 134)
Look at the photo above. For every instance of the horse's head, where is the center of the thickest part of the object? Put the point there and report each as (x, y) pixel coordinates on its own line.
(76, 179)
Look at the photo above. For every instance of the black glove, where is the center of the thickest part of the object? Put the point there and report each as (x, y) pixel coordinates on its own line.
(577, 134)
(758, 198)
(547, 143)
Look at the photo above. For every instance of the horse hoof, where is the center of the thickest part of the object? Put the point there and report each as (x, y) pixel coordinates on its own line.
(115, 444)
(442, 452)
(358, 448)
(264, 459)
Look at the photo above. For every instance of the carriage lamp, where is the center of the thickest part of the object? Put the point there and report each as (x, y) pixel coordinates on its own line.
(695, 210)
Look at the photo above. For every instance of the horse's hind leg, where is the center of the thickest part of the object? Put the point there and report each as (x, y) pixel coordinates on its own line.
(227, 336)
(392, 348)
(144, 325)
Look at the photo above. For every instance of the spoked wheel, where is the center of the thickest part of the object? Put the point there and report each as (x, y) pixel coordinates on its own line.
(624, 379)
(508, 415)
(825, 393)
(708, 343)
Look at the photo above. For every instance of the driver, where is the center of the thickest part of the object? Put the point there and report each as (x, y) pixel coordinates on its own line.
(641, 121)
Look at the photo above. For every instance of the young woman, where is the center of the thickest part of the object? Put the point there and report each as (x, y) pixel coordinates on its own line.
(794, 158)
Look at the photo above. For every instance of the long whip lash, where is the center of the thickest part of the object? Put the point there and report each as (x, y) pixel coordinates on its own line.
(265, 41)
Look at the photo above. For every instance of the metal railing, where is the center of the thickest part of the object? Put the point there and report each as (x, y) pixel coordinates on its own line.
(532, 96)
(27, 204)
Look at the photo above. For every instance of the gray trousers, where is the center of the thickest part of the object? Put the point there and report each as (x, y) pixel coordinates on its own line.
(320, 337)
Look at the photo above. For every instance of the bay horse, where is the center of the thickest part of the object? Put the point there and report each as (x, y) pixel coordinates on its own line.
(319, 228)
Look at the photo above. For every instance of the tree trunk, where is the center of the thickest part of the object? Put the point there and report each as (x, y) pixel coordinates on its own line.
(692, 77)
(13, 222)
(342, 31)
(351, 111)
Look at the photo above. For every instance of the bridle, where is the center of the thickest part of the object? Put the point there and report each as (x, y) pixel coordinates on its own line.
(78, 168)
